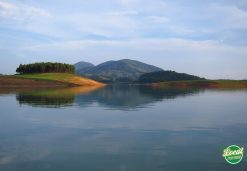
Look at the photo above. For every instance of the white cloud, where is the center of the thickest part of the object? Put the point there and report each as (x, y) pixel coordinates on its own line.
(125, 2)
(6, 5)
(230, 17)
(124, 13)
(159, 19)
(103, 24)
(20, 12)
(209, 58)
(144, 44)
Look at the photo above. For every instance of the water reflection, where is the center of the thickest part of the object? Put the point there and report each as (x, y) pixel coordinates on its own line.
(53, 98)
(186, 133)
(123, 97)
(43, 100)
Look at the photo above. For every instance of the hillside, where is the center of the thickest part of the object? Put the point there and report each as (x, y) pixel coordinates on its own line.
(125, 70)
(46, 80)
(162, 76)
(81, 67)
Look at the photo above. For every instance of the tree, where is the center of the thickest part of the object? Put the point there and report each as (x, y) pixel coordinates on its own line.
(43, 67)
(161, 76)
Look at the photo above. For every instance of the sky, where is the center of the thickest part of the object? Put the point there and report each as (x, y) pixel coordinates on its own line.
(201, 37)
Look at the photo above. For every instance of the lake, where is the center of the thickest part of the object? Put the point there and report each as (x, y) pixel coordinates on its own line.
(121, 128)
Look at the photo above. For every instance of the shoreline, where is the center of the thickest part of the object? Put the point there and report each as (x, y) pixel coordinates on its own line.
(35, 81)
(209, 84)
(50, 80)
(14, 82)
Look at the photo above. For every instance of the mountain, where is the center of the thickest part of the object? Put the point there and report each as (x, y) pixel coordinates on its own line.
(162, 76)
(82, 67)
(124, 70)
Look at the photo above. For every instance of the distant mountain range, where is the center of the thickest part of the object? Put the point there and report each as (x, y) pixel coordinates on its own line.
(124, 70)
(127, 70)
(82, 67)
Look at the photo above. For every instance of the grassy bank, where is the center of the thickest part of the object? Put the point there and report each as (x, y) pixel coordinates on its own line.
(214, 84)
(46, 80)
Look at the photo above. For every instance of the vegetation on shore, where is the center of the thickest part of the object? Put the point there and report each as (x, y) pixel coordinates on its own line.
(161, 76)
(45, 67)
(67, 80)
(222, 84)
(62, 75)
(46, 80)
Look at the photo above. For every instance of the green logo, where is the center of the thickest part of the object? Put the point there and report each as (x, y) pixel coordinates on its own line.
(233, 154)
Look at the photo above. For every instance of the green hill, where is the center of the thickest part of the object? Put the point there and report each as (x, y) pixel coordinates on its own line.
(125, 70)
(162, 76)
(81, 67)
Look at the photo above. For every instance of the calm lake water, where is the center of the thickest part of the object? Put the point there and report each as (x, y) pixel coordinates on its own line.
(121, 128)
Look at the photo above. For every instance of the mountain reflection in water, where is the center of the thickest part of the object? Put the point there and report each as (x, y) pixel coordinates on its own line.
(127, 97)
(122, 97)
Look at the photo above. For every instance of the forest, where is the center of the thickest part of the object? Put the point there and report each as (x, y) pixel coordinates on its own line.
(45, 67)
(161, 76)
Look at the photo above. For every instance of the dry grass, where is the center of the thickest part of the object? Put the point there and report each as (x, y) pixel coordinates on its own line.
(46, 80)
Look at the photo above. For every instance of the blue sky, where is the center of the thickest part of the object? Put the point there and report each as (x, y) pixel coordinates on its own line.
(202, 37)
